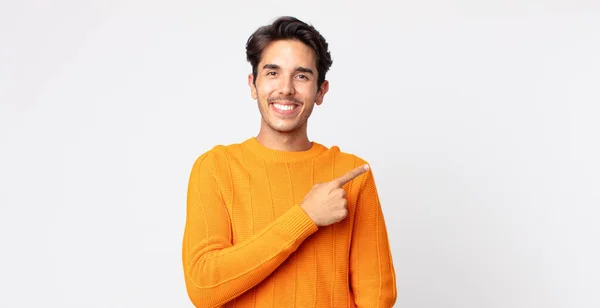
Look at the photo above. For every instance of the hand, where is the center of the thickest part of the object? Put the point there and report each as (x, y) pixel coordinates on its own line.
(326, 203)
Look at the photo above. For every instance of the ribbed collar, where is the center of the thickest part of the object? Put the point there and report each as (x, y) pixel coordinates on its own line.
(283, 156)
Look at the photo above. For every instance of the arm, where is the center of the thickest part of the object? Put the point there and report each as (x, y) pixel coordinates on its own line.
(372, 275)
(216, 271)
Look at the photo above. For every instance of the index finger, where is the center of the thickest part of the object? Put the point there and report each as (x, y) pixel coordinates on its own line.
(350, 175)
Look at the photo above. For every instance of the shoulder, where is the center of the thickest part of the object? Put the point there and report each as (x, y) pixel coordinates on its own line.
(365, 181)
(347, 157)
(345, 161)
(218, 155)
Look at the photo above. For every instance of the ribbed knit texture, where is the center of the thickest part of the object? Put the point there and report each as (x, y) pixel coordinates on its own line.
(248, 243)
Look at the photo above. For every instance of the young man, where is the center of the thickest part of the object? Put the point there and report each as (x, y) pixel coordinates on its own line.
(278, 220)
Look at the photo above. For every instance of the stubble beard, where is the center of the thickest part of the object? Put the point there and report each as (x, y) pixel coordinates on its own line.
(266, 113)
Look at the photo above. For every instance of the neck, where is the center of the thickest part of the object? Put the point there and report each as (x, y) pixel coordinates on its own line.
(284, 141)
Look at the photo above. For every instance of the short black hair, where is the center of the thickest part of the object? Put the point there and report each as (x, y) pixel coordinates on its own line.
(287, 27)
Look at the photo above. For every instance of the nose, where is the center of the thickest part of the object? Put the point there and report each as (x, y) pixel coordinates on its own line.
(286, 87)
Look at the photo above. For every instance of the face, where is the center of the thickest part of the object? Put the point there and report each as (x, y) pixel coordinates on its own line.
(286, 86)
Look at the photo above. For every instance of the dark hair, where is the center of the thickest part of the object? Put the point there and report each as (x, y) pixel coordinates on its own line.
(288, 27)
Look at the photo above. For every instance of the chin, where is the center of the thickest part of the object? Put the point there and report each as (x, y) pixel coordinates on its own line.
(285, 127)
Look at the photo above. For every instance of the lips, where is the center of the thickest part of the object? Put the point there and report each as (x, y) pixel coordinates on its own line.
(284, 109)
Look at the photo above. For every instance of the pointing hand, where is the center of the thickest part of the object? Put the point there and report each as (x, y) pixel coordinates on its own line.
(326, 202)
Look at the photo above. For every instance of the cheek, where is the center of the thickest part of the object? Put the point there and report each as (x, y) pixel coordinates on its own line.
(265, 88)
(306, 91)
(308, 97)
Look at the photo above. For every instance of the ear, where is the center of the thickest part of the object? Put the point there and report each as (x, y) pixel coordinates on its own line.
(321, 93)
(252, 86)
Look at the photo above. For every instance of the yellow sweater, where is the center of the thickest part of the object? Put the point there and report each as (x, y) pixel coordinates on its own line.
(247, 242)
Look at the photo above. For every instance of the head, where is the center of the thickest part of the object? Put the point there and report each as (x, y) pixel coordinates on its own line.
(289, 60)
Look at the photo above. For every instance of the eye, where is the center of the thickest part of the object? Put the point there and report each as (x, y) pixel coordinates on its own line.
(303, 76)
(271, 73)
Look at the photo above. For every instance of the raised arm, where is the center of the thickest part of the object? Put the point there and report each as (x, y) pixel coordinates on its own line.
(216, 271)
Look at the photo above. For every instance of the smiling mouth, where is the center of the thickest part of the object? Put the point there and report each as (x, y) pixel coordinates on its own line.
(284, 109)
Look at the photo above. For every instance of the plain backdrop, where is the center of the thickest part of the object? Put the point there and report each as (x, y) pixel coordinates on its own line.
(479, 119)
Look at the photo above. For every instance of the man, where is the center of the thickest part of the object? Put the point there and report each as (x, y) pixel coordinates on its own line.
(278, 220)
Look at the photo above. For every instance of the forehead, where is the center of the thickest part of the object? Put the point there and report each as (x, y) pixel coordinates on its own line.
(288, 53)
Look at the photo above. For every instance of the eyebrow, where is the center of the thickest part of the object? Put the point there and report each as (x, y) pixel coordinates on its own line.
(298, 69)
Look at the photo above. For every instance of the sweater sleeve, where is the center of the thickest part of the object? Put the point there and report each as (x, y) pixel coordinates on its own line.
(216, 271)
(372, 275)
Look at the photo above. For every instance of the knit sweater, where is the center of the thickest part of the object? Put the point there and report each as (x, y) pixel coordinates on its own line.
(248, 243)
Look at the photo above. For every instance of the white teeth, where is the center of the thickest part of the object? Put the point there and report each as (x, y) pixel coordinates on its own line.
(284, 107)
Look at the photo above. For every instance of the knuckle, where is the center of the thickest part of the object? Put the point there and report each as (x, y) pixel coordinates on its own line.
(343, 213)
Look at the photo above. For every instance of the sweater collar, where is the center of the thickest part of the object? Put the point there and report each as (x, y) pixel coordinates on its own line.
(283, 156)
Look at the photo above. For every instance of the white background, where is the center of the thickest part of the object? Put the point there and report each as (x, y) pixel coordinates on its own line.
(479, 118)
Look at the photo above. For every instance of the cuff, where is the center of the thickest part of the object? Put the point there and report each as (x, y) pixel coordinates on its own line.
(296, 225)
